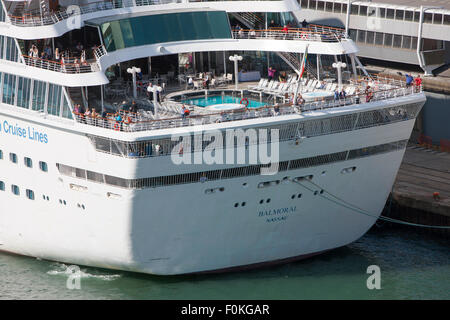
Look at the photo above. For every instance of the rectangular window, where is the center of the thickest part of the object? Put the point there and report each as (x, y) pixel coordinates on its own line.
(43, 166)
(409, 15)
(437, 18)
(28, 162)
(388, 39)
(416, 16)
(390, 13)
(352, 34)
(66, 112)
(1, 154)
(381, 13)
(379, 38)
(30, 194)
(13, 157)
(312, 4)
(399, 14)
(337, 7)
(354, 9)
(397, 41)
(447, 19)
(15, 189)
(304, 4)
(344, 8)
(329, 7)
(362, 10)
(54, 99)
(39, 90)
(414, 43)
(361, 35)
(370, 37)
(406, 42)
(94, 176)
(320, 5)
(9, 88)
(23, 92)
(428, 17)
(2, 186)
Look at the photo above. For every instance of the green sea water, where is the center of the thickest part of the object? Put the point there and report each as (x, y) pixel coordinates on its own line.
(413, 265)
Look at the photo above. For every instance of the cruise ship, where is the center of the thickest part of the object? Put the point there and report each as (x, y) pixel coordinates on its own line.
(101, 165)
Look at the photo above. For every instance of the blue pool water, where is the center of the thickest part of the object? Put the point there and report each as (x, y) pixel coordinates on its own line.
(211, 100)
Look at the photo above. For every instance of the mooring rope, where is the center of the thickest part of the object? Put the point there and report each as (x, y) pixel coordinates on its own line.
(355, 208)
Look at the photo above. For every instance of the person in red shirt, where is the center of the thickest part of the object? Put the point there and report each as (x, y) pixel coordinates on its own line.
(418, 82)
(285, 31)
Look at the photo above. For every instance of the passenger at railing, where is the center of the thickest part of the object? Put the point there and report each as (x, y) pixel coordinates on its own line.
(83, 58)
(369, 93)
(409, 80)
(285, 31)
(300, 101)
(77, 65)
(48, 52)
(57, 55)
(276, 109)
(336, 95)
(133, 107)
(304, 23)
(207, 79)
(272, 24)
(282, 77)
(342, 94)
(79, 47)
(323, 84)
(418, 83)
(252, 34)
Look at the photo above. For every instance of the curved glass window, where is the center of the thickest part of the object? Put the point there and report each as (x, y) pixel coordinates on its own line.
(151, 29)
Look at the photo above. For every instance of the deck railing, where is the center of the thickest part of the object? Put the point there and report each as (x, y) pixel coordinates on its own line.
(134, 122)
(69, 67)
(35, 18)
(299, 34)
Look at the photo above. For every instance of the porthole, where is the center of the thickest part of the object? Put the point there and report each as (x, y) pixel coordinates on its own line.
(236, 205)
(321, 191)
(316, 192)
(82, 206)
(299, 195)
(293, 196)
(268, 200)
(261, 201)
(243, 204)
(2, 186)
(1, 154)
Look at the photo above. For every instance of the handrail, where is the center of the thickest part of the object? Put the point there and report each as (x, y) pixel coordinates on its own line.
(290, 34)
(58, 66)
(34, 18)
(136, 125)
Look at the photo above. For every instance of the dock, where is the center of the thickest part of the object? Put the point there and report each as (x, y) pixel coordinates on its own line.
(421, 192)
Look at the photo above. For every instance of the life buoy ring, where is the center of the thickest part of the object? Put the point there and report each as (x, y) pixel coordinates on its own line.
(117, 126)
(244, 100)
(303, 36)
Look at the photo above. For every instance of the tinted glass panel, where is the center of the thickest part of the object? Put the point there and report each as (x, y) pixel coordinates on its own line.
(135, 31)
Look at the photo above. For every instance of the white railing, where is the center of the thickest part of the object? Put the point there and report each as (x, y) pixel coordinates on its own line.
(292, 34)
(60, 67)
(34, 18)
(133, 122)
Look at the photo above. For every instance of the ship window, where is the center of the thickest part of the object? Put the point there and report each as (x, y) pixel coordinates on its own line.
(381, 13)
(28, 162)
(266, 184)
(344, 8)
(2, 186)
(94, 176)
(312, 4)
(370, 37)
(361, 35)
(363, 11)
(416, 16)
(304, 4)
(320, 5)
(54, 99)
(354, 9)
(399, 14)
(337, 7)
(388, 39)
(447, 19)
(406, 42)
(30, 194)
(437, 18)
(38, 101)
(15, 189)
(9, 88)
(397, 41)
(408, 15)
(414, 42)
(1, 154)
(329, 6)
(23, 92)
(43, 166)
(428, 17)
(379, 38)
(390, 13)
(13, 157)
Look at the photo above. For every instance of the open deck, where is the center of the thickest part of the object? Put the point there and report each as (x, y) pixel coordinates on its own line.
(364, 91)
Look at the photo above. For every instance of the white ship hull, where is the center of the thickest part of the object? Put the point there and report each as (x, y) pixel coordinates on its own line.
(179, 229)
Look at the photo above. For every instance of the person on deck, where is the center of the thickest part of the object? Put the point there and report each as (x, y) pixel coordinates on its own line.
(409, 80)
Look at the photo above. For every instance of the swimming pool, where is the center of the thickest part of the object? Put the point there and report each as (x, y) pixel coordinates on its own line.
(212, 100)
